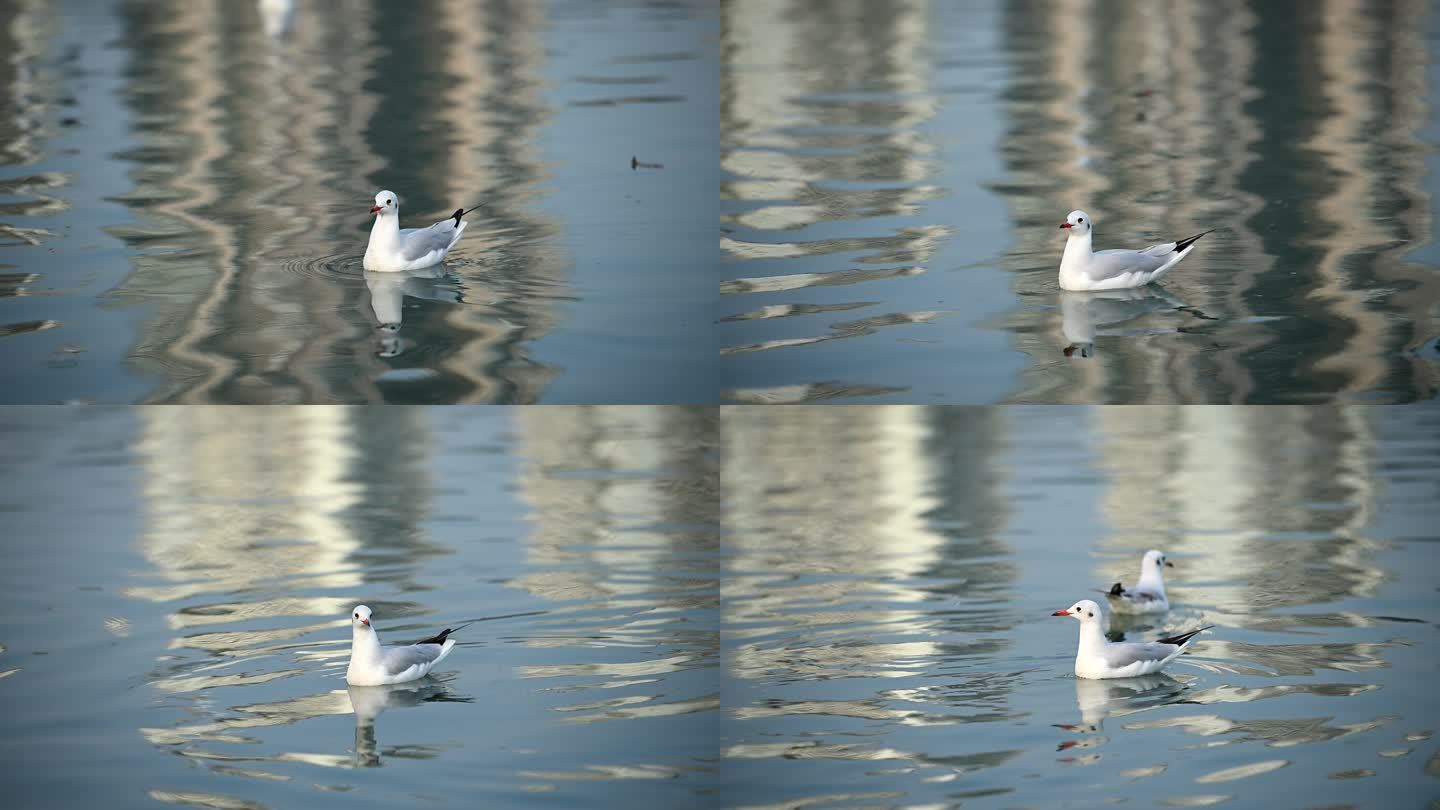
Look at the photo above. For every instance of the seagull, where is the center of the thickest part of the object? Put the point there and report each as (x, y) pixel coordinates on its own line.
(1114, 269)
(373, 665)
(1099, 657)
(1148, 595)
(392, 250)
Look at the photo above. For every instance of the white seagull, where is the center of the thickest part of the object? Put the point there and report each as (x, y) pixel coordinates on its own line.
(1080, 269)
(1099, 657)
(392, 250)
(1148, 595)
(373, 665)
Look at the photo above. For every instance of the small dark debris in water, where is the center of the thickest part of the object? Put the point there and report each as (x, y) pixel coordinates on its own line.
(636, 163)
(1399, 619)
(69, 121)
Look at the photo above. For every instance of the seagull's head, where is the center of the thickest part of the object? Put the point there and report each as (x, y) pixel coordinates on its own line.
(386, 203)
(1084, 610)
(1155, 561)
(1078, 223)
(360, 617)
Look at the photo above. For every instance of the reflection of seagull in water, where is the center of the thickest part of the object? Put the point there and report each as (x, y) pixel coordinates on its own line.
(1098, 700)
(369, 701)
(388, 292)
(1083, 313)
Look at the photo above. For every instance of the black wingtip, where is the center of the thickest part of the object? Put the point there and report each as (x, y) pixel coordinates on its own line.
(1185, 243)
(1184, 637)
(1116, 590)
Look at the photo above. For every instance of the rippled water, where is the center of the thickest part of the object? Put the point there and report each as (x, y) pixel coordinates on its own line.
(894, 176)
(184, 187)
(890, 572)
(174, 601)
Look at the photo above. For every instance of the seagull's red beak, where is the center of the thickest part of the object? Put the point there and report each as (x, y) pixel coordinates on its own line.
(1066, 225)
(365, 622)
(1065, 612)
(375, 208)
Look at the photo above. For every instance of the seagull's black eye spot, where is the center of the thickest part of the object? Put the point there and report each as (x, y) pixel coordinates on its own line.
(1088, 613)
(1081, 219)
(357, 615)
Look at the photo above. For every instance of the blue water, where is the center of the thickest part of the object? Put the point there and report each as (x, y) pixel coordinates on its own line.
(895, 175)
(175, 600)
(184, 192)
(890, 575)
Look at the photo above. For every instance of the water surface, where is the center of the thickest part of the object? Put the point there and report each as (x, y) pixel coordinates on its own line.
(174, 607)
(184, 188)
(890, 575)
(894, 175)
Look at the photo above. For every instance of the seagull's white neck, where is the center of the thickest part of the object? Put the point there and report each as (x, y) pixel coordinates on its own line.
(364, 647)
(385, 233)
(1151, 579)
(1077, 251)
(1092, 639)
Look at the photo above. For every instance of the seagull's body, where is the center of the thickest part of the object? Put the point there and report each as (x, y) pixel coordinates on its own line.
(1098, 657)
(392, 250)
(1082, 269)
(373, 665)
(1148, 595)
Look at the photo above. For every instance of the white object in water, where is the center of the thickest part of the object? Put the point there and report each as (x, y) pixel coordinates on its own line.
(1081, 269)
(1098, 657)
(392, 250)
(1148, 595)
(373, 665)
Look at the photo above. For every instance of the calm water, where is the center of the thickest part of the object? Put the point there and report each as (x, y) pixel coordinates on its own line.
(174, 600)
(184, 188)
(890, 574)
(895, 174)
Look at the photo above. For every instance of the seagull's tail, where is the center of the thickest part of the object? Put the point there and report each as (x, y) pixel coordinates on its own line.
(1185, 243)
(1182, 639)
(460, 212)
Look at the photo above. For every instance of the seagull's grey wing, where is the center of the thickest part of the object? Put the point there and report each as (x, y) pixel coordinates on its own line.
(1112, 263)
(419, 242)
(1123, 655)
(398, 659)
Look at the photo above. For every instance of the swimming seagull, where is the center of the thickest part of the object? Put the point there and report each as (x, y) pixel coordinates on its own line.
(1098, 657)
(373, 665)
(1080, 269)
(392, 250)
(1148, 595)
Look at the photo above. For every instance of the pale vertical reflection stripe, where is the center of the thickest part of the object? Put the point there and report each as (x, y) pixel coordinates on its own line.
(205, 469)
(572, 456)
(875, 485)
(1347, 31)
(757, 106)
(29, 25)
